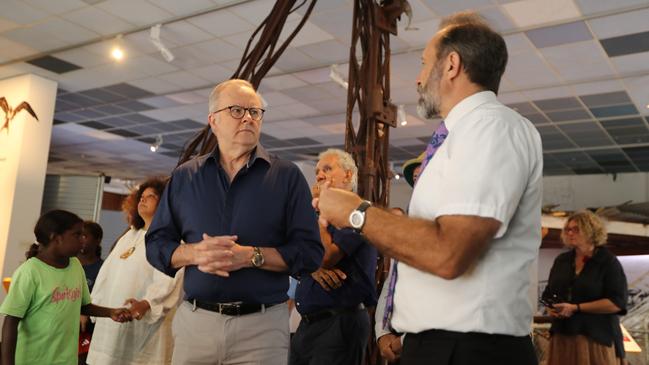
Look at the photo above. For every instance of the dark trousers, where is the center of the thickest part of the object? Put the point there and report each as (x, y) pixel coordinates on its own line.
(340, 339)
(437, 347)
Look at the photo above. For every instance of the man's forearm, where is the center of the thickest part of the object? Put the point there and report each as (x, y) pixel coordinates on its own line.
(445, 247)
(183, 256)
(273, 261)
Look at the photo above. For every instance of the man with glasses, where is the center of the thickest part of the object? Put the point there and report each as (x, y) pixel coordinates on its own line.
(248, 222)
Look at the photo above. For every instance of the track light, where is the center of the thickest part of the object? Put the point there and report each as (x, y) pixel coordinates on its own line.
(337, 77)
(155, 145)
(117, 53)
(155, 39)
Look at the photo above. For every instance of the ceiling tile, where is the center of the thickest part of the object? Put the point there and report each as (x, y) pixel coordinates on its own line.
(517, 43)
(54, 64)
(592, 61)
(527, 69)
(183, 7)
(221, 23)
(184, 79)
(135, 12)
(420, 33)
(557, 104)
(610, 98)
(535, 12)
(626, 44)
(536, 118)
(329, 51)
(98, 20)
(497, 19)
(614, 111)
(449, 7)
(622, 123)
(33, 37)
(523, 108)
(559, 34)
(154, 85)
(620, 24)
(309, 34)
(128, 91)
(631, 63)
(568, 115)
(57, 7)
(20, 12)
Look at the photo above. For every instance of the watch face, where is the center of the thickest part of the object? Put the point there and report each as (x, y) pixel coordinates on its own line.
(356, 219)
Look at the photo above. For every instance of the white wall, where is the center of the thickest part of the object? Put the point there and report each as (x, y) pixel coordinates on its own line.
(24, 149)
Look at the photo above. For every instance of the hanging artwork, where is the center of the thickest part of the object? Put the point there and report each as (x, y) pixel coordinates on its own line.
(10, 112)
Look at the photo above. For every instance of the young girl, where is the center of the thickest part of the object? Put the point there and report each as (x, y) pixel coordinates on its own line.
(47, 293)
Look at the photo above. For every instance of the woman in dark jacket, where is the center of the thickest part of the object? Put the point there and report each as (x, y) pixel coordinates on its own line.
(586, 292)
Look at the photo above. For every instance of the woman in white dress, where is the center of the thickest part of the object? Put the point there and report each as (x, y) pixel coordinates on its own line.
(127, 277)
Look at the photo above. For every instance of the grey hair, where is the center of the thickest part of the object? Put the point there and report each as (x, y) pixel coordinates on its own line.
(218, 89)
(346, 161)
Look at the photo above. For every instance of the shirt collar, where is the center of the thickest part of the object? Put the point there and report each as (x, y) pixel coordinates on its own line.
(467, 105)
(258, 152)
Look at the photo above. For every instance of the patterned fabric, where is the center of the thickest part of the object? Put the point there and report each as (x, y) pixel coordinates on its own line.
(436, 140)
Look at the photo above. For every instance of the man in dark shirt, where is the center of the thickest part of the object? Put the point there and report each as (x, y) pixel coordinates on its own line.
(248, 223)
(335, 325)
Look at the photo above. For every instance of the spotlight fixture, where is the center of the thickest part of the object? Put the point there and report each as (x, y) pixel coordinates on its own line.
(155, 39)
(155, 145)
(337, 77)
(401, 115)
(117, 53)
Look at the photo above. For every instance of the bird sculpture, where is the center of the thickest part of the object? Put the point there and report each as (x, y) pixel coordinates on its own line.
(10, 112)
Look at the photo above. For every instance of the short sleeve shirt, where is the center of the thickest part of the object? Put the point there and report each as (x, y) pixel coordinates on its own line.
(48, 300)
(490, 166)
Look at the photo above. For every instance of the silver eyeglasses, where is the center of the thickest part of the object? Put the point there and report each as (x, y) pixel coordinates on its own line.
(237, 112)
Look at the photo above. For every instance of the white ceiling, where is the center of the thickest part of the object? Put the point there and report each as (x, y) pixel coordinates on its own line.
(561, 52)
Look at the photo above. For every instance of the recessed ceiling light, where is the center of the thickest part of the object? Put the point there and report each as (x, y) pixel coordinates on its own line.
(117, 54)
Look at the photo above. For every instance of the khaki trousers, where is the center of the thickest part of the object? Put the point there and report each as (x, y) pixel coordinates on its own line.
(203, 337)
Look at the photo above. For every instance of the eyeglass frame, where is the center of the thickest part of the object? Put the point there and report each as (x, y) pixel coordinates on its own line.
(574, 229)
(245, 110)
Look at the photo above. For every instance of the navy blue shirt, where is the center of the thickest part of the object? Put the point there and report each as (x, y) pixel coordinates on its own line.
(267, 204)
(92, 271)
(359, 264)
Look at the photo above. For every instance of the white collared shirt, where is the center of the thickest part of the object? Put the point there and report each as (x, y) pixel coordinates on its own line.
(490, 165)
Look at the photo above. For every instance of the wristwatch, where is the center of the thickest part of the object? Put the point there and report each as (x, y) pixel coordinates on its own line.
(357, 216)
(257, 257)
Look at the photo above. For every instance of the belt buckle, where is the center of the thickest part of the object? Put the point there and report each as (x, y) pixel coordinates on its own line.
(229, 306)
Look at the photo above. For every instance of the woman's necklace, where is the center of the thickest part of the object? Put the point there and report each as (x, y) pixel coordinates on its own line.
(126, 254)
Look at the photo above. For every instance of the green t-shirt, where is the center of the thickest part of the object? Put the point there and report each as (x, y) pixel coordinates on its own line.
(49, 302)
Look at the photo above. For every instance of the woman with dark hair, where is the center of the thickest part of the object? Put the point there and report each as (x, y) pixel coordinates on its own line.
(586, 292)
(127, 275)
